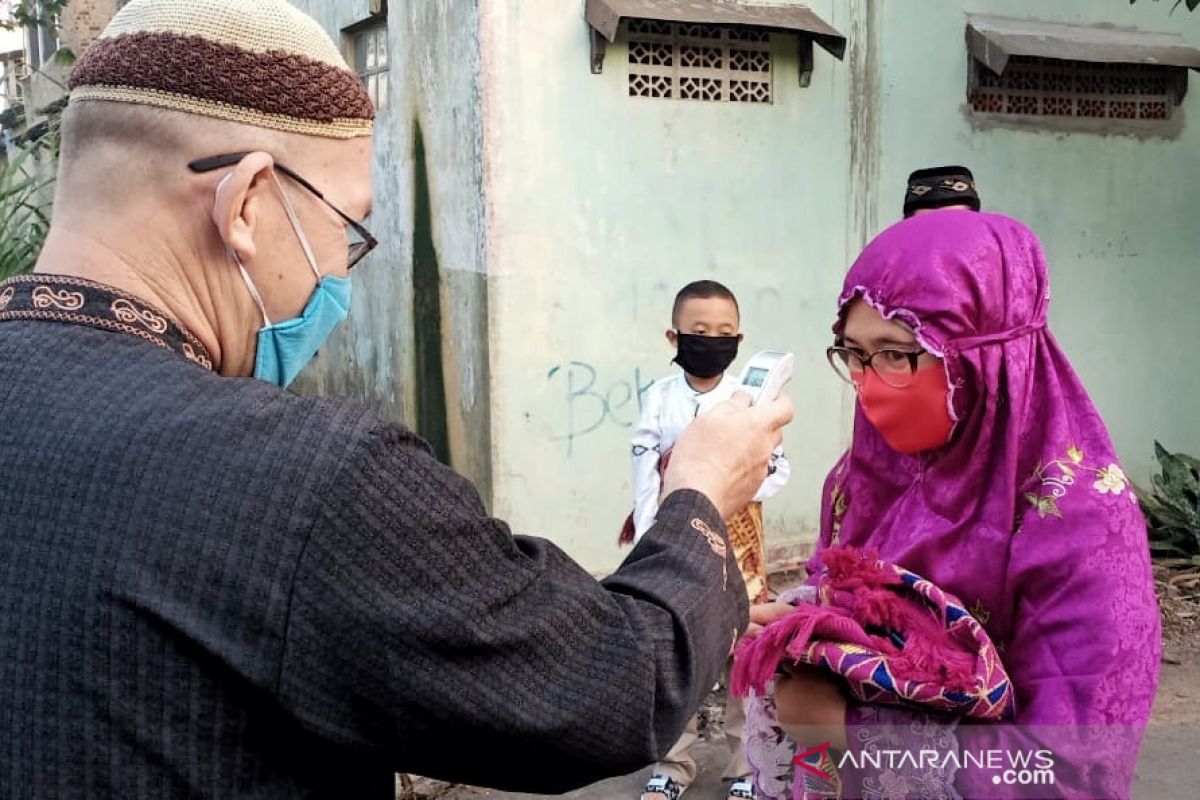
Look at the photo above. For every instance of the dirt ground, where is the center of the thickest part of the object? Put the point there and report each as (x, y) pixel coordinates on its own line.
(1178, 699)
(1169, 766)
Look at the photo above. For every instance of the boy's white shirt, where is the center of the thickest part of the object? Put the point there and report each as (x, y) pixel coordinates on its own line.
(669, 406)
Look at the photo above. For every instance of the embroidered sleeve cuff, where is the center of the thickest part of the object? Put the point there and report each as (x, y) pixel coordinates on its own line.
(898, 753)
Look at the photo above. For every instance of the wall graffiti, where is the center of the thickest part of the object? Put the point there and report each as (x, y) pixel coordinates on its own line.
(590, 402)
(587, 400)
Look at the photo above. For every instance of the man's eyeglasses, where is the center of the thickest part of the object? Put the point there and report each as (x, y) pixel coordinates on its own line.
(359, 243)
(894, 367)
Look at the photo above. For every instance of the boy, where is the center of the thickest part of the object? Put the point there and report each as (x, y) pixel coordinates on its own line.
(705, 333)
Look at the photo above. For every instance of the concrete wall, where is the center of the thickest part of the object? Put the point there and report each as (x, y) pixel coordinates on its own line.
(604, 205)
(587, 209)
(415, 346)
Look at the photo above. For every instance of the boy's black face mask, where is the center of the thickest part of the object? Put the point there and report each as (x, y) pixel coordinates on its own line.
(705, 356)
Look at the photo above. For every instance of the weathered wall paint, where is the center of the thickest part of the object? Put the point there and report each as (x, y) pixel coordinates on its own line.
(865, 82)
(430, 415)
(606, 204)
(602, 207)
(435, 86)
(1113, 211)
(590, 208)
(370, 357)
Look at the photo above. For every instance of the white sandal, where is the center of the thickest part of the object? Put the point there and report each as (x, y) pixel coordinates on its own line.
(742, 789)
(661, 784)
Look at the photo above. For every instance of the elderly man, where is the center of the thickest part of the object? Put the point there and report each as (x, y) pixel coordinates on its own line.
(211, 587)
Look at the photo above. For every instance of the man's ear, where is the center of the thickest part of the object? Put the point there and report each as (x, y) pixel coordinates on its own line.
(741, 337)
(672, 337)
(239, 198)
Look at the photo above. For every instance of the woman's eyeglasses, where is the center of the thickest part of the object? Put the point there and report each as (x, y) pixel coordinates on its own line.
(894, 366)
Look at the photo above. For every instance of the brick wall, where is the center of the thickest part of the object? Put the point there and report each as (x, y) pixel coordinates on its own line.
(84, 20)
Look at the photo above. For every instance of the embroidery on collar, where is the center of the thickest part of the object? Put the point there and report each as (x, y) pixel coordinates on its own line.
(56, 298)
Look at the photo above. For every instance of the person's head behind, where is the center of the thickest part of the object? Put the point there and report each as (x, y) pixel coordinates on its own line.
(705, 328)
(940, 188)
(260, 79)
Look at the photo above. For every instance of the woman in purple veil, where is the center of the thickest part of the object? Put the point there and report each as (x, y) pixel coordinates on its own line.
(979, 462)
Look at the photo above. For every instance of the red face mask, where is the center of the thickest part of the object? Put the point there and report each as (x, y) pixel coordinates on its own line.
(913, 419)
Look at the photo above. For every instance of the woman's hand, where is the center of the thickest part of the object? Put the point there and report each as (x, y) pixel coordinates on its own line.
(809, 703)
(763, 615)
(810, 707)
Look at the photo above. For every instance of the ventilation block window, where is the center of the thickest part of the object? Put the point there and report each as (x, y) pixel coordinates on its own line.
(1099, 78)
(1049, 87)
(714, 63)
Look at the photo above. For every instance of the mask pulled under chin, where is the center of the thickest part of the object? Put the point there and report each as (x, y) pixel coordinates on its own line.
(913, 419)
(705, 356)
(285, 348)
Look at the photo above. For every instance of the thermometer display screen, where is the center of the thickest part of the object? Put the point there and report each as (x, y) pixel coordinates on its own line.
(755, 377)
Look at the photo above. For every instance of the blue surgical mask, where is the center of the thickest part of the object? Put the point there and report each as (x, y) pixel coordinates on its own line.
(285, 348)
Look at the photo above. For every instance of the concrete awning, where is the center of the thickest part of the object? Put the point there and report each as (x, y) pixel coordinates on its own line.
(993, 40)
(605, 17)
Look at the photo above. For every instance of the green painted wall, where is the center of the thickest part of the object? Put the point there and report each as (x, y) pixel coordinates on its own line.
(1114, 212)
(604, 205)
(564, 214)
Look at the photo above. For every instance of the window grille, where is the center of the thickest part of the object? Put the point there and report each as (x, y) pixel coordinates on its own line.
(371, 62)
(714, 63)
(1053, 88)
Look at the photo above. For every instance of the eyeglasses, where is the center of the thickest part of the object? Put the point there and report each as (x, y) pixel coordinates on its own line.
(894, 367)
(358, 248)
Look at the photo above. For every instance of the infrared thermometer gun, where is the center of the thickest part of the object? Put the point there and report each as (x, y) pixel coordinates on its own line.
(766, 375)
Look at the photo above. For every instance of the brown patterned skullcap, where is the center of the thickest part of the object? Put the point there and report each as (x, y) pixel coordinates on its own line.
(259, 62)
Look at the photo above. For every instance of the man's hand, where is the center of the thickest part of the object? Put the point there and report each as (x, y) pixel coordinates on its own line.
(810, 707)
(724, 454)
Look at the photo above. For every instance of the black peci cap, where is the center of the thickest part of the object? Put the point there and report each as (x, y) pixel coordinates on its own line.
(937, 187)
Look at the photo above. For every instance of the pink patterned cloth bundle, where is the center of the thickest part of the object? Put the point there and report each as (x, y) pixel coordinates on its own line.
(893, 636)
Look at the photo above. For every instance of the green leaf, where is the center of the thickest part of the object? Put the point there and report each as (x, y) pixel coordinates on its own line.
(24, 210)
(1191, 461)
(1172, 504)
